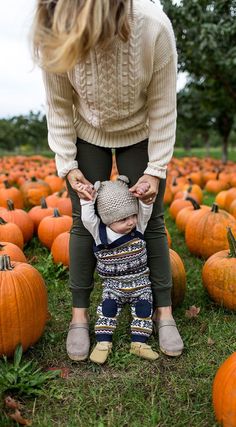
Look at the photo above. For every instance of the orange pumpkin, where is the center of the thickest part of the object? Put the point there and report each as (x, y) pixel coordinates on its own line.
(13, 251)
(60, 249)
(223, 392)
(185, 213)
(51, 226)
(12, 193)
(20, 218)
(205, 232)
(219, 275)
(178, 278)
(37, 213)
(33, 190)
(55, 182)
(23, 305)
(10, 232)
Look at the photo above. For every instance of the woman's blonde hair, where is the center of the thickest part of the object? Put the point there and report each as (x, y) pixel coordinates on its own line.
(64, 31)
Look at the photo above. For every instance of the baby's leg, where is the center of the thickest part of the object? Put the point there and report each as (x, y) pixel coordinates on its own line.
(141, 326)
(106, 323)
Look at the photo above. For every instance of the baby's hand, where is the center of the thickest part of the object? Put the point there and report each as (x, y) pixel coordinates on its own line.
(142, 188)
(87, 190)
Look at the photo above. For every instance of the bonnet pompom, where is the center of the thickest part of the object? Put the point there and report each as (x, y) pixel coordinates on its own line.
(123, 178)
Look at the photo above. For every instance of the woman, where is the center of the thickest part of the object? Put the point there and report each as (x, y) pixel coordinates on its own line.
(109, 70)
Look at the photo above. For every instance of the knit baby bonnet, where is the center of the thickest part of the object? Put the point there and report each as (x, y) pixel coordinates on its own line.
(114, 200)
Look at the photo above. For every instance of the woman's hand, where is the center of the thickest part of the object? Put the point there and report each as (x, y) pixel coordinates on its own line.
(148, 196)
(80, 184)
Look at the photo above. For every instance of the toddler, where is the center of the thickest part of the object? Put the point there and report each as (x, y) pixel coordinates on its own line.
(120, 250)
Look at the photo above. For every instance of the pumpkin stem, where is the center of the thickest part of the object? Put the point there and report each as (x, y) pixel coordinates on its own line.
(43, 203)
(215, 208)
(33, 179)
(2, 246)
(194, 203)
(2, 221)
(189, 189)
(10, 205)
(174, 181)
(5, 263)
(60, 193)
(232, 243)
(56, 213)
(190, 181)
(6, 183)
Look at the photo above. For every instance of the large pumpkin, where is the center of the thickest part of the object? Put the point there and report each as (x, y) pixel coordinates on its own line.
(178, 278)
(206, 231)
(23, 305)
(219, 275)
(223, 393)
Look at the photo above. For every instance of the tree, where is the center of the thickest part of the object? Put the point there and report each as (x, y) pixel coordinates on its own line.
(206, 34)
(29, 130)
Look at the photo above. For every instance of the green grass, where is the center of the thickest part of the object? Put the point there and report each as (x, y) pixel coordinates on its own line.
(127, 391)
(215, 152)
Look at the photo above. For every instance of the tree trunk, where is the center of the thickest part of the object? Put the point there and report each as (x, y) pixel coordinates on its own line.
(206, 139)
(225, 150)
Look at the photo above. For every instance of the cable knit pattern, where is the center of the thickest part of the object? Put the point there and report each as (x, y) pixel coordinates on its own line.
(119, 96)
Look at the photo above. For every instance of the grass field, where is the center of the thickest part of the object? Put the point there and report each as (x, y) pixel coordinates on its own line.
(215, 152)
(127, 391)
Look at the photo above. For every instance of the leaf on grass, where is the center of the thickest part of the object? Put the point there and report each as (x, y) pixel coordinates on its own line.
(19, 419)
(210, 341)
(33, 259)
(64, 372)
(12, 403)
(193, 311)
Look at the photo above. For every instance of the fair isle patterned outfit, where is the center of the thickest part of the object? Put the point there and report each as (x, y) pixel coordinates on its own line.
(122, 264)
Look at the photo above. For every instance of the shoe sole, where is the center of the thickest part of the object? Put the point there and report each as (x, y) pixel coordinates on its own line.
(171, 353)
(77, 358)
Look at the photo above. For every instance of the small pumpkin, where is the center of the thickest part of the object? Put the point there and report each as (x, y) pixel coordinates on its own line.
(51, 226)
(23, 305)
(37, 213)
(33, 190)
(60, 249)
(21, 218)
(10, 232)
(223, 392)
(219, 275)
(13, 251)
(10, 192)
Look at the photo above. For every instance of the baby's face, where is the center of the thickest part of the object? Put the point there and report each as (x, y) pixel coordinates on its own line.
(124, 226)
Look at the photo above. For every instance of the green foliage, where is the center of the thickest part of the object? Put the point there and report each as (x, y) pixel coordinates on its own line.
(23, 378)
(24, 131)
(206, 33)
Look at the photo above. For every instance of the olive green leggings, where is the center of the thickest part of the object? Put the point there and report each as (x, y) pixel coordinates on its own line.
(95, 163)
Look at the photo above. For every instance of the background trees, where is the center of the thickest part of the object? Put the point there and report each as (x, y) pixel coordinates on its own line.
(206, 32)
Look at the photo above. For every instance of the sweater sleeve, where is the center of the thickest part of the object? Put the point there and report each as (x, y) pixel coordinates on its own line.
(90, 219)
(162, 104)
(144, 214)
(60, 121)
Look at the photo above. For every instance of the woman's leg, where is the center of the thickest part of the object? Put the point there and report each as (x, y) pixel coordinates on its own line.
(95, 163)
(132, 161)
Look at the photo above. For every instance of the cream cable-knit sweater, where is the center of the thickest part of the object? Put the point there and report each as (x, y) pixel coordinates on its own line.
(119, 97)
